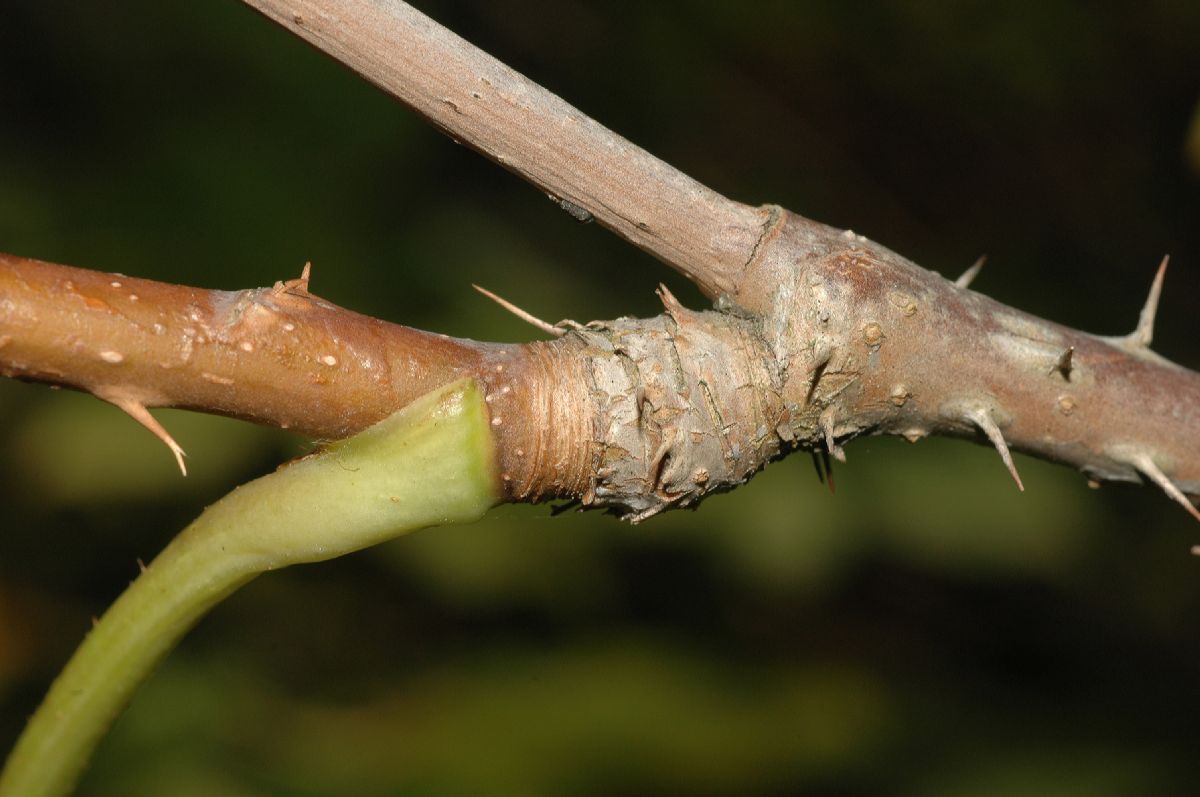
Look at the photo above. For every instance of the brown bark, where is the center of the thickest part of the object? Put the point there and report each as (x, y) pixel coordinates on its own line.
(277, 355)
(819, 335)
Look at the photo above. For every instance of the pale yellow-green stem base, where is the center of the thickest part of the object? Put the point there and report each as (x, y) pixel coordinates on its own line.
(429, 464)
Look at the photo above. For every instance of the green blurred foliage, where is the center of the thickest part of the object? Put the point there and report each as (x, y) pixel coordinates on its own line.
(925, 631)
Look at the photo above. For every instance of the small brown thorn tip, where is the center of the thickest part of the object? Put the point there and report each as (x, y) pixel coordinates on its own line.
(529, 318)
(983, 419)
(830, 443)
(828, 469)
(1145, 465)
(136, 410)
(1144, 334)
(967, 277)
(299, 285)
(1064, 365)
(818, 466)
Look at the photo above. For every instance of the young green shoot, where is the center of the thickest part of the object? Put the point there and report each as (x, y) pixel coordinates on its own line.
(431, 463)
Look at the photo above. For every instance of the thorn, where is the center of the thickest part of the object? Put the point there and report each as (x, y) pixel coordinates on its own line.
(1144, 333)
(831, 445)
(1063, 366)
(821, 357)
(967, 277)
(982, 419)
(635, 518)
(669, 302)
(299, 286)
(549, 329)
(136, 410)
(824, 467)
(141, 565)
(1145, 464)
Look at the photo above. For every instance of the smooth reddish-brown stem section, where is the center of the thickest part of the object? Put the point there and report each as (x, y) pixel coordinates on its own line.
(273, 355)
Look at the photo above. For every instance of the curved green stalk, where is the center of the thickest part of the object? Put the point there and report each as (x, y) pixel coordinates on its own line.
(431, 463)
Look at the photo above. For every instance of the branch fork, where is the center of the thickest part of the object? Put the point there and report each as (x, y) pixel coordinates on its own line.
(820, 335)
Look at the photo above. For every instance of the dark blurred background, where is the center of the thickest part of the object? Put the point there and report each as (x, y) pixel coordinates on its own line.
(926, 631)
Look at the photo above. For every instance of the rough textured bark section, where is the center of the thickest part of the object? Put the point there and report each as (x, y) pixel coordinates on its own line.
(831, 336)
(590, 170)
(680, 406)
(901, 350)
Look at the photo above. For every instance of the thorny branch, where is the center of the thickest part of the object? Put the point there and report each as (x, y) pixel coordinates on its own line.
(818, 335)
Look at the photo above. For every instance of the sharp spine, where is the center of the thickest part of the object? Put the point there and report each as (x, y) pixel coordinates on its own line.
(669, 302)
(967, 277)
(525, 316)
(983, 419)
(1145, 465)
(136, 410)
(1064, 365)
(297, 286)
(831, 445)
(823, 467)
(1141, 337)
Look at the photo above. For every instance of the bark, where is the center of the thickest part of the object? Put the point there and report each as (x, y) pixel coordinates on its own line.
(266, 355)
(818, 335)
(518, 124)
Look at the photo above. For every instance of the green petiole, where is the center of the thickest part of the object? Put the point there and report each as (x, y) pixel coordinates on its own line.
(429, 464)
